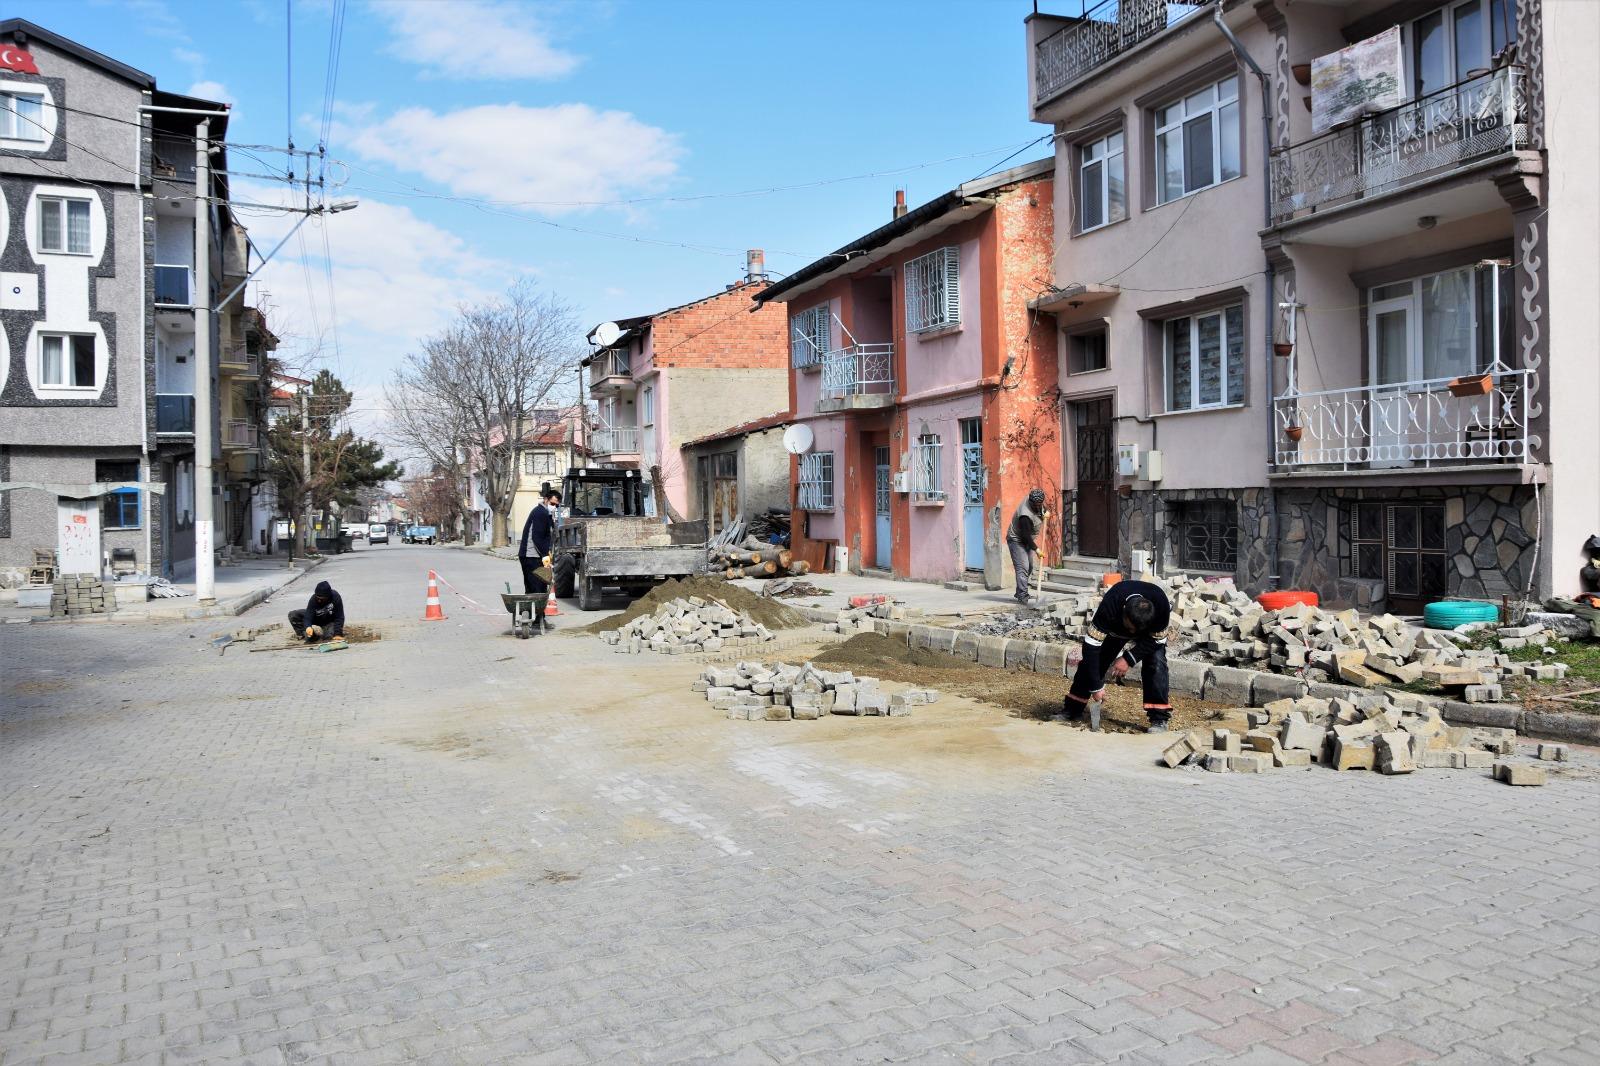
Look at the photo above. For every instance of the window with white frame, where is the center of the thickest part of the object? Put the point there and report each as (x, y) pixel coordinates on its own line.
(1205, 359)
(1444, 46)
(925, 483)
(63, 225)
(1102, 183)
(810, 335)
(816, 482)
(933, 290)
(66, 360)
(647, 406)
(1445, 325)
(1197, 140)
(538, 462)
(22, 116)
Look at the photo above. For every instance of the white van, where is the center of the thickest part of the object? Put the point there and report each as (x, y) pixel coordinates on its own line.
(377, 533)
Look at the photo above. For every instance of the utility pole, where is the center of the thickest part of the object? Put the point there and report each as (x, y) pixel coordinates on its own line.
(204, 563)
(305, 463)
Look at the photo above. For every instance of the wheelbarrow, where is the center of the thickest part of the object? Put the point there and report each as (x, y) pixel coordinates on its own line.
(527, 611)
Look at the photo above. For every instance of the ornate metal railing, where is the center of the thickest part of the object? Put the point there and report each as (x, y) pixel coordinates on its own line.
(616, 440)
(1099, 34)
(1470, 120)
(859, 370)
(1420, 423)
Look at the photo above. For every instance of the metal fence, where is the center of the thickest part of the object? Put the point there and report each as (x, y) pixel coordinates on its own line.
(616, 440)
(861, 369)
(1099, 34)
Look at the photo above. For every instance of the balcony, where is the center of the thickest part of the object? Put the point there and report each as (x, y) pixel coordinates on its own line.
(1419, 425)
(616, 442)
(174, 285)
(1403, 147)
(174, 414)
(861, 375)
(238, 433)
(173, 158)
(1099, 35)
(239, 362)
(609, 372)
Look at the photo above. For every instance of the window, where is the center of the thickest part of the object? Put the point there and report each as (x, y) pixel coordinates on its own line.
(63, 225)
(1208, 535)
(1445, 46)
(816, 482)
(810, 335)
(933, 290)
(647, 406)
(1197, 140)
(925, 483)
(119, 509)
(66, 360)
(22, 117)
(1439, 326)
(1102, 184)
(1086, 350)
(538, 463)
(1205, 359)
(1367, 541)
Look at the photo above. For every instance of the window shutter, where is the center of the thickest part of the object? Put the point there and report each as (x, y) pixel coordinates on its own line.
(952, 285)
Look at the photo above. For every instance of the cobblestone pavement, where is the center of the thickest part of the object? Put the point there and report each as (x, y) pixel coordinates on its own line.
(451, 846)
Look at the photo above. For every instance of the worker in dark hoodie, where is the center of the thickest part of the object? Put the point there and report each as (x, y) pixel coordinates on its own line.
(1129, 629)
(323, 616)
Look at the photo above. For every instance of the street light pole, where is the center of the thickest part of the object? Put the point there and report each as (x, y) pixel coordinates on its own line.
(200, 299)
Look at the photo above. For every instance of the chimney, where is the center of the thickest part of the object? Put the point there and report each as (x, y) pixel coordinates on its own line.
(899, 202)
(755, 265)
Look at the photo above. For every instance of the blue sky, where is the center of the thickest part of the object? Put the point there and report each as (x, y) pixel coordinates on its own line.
(550, 104)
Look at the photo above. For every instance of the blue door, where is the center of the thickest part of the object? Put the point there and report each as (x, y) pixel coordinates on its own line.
(972, 479)
(883, 535)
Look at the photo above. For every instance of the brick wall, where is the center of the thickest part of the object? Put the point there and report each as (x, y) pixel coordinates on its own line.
(724, 331)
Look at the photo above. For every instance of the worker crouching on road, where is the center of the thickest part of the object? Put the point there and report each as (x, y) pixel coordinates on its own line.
(538, 537)
(1022, 540)
(323, 615)
(1129, 627)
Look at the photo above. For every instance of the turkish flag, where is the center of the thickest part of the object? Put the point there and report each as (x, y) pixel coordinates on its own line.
(13, 58)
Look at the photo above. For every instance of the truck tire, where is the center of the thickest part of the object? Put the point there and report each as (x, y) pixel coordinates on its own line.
(565, 567)
(589, 596)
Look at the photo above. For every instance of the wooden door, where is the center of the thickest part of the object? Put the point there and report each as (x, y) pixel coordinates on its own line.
(1097, 501)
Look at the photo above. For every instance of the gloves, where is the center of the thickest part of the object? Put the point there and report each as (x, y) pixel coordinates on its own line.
(313, 632)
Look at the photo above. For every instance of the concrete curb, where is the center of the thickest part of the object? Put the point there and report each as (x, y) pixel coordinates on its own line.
(228, 608)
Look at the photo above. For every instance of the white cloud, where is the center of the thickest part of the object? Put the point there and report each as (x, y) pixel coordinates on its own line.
(559, 156)
(211, 90)
(472, 39)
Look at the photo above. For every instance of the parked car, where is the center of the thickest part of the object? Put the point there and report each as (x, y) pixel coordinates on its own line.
(377, 533)
(420, 535)
(354, 529)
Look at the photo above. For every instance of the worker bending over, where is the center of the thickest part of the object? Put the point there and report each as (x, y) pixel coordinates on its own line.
(1022, 540)
(1129, 627)
(323, 615)
(538, 537)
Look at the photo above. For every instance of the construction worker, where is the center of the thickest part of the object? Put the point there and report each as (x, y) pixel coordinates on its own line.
(323, 616)
(538, 537)
(1129, 627)
(1022, 541)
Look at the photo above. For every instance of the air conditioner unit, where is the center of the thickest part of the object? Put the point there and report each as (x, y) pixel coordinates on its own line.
(902, 481)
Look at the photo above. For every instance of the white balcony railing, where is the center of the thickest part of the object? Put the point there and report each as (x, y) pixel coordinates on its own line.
(1420, 423)
(606, 365)
(1101, 33)
(1473, 119)
(617, 440)
(239, 434)
(859, 370)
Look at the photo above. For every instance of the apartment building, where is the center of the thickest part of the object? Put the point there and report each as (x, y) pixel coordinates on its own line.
(926, 382)
(97, 306)
(557, 442)
(679, 374)
(1323, 286)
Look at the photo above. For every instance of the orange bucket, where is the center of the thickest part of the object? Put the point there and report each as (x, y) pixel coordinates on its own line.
(1107, 580)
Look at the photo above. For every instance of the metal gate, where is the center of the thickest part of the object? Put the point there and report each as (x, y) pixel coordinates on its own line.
(882, 533)
(972, 481)
(1097, 506)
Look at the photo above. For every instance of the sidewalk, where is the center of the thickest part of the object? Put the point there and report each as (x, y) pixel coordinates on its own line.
(238, 588)
(932, 600)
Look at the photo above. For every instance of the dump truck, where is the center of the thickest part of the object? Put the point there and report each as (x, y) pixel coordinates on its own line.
(606, 540)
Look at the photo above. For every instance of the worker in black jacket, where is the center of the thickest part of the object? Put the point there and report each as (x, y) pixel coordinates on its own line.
(1129, 627)
(323, 615)
(538, 537)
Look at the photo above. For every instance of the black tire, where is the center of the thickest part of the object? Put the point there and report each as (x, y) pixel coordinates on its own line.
(566, 568)
(589, 595)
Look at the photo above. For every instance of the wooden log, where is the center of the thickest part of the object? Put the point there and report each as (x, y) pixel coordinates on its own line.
(760, 570)
(799, 568)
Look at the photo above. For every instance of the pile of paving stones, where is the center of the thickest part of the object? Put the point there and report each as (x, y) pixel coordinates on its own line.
(1392, 736)
(778, 692)
(75, 595)
(691, 624)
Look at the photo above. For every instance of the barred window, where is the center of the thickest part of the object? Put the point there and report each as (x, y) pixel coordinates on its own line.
(810, 334)
(925, 483)
(1207, 534)
(933, 290)
(538, 463)
(816, 482)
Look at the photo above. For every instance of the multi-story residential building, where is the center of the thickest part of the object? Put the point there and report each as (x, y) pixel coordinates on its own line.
(1328, 310)
(556, 443)
(248, 495)
(97, 306)
(676, 375)
(927, 383)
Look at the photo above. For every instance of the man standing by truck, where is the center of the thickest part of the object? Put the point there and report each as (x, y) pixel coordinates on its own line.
(1128, 628)
(1022, 540)
(538, 536)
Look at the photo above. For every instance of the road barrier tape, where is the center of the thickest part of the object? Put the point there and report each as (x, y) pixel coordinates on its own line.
(472, 604)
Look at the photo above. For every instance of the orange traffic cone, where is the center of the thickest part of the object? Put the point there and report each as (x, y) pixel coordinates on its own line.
(550, 608)
(433, 612)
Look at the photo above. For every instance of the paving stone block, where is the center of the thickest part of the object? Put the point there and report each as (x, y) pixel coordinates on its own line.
(1353, 755)
(1394, 753)
(1217, 762)
(992, 651)
(1249, 762)
(1225, 740)
(1297, 734)
(1515, 773)
(1553, 752)
(1291, 758)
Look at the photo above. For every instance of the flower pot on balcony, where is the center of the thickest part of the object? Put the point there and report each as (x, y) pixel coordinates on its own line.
(1294, 433)
(1284, 350)
(1472, 385)
(1302, 73)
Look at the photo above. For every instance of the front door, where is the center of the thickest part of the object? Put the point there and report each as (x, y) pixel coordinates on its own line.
(78, 536)
(1391, 339)
(1097, 507)
(972, 479)
(882, 534)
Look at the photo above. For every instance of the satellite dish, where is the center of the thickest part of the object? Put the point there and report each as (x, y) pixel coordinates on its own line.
(797, 440)
(606, 334)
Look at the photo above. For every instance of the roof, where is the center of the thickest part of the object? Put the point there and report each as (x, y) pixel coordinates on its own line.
(11, 27)
(959, 204)
(772, 421)
(631, 327)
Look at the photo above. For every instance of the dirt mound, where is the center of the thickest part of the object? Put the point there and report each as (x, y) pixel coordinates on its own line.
(867, 650)
(770, 614)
